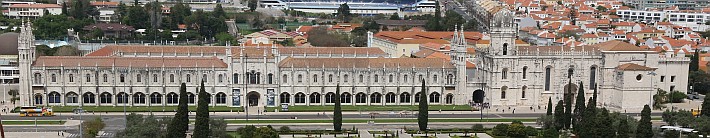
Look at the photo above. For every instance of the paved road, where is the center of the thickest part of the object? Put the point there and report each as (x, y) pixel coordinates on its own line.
(233, 29)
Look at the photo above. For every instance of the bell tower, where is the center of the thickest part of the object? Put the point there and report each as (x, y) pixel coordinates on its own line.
(26, 57)
(503, 32)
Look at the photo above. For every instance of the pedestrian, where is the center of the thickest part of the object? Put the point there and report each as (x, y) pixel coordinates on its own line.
(513, 110)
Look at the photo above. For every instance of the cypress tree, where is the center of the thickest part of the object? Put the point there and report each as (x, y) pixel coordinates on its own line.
(549, 106)
(179, 124)
(644, 128)
(706, 106)
(568, 106)
(695, 61)
(622, 131)
(337, 112)
(579, 108)
(423, 118)
(65, 11)
(202, 119)
(559, 115)
(605, 129)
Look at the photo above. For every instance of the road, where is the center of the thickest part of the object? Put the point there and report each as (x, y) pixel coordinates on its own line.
(232, 27)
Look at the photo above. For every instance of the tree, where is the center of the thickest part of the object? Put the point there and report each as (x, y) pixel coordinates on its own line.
(602, 8)
(434, 24)
(219, 12)
(202, 118)
(605, 120)
(179, 124)
(423, 118)
(700, 81)
(622, 131)
(559, 115)
(337, 112)
(516, 130)
(451, 20)
(394, 16)
(549, 106)
(137, 17)
(671, 134)
(660, 98)
(65, 11)
(568, 106)
(266, 132)
(179, 12)
(51, 26)
(139, 127)
(676, 97)
(247, 131)
(695, 60)
(14, 94)
(218, 128)
(579, 108)
(644, 128)
(252, 5)
(326, 39)
(470, 26)
(706, 106)
(92, 127)
(67, 50)
(344, 12)
(500, 130)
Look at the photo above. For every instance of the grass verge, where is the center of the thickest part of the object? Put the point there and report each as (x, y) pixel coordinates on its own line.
(140, 108)
(379, 121)
(39, 122)
(365, 108)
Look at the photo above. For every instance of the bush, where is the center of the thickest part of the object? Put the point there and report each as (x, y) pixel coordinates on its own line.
(530, 131)
(500, 130)
(677, 97)
(285, 129)
(516, 130)
(478, 127)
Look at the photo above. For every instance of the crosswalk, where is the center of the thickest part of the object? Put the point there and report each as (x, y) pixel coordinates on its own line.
(102, 135)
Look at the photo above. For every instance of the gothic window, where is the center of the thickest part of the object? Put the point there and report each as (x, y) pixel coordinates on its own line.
(390, 98)
(38, 78)
(190, 98)
(300, 98)
(122, 78)
(417, 97)
(449, 98)
(502, 92)
(88, 77)
(314, 98)
(258, 78)
(54, 78)
(315, 78)
(360, 98)
(330, 78)
(71, 77)
(156, 98)
(172, 77)
(525, 72)
(285, 78)
(361, 79)
(376, 98)
(406, 78)
(377, 78)
(593, 77)
(138, 78)
(547, 78)
(300, 78)
(38, 99)
(54, 97)
(330, 97)
(570, 72)
(89, 97)
(405, 97)
(421, 78)
(285, 97)
(345, 78)
(122, 98)
(235, 78)
(172, 98)
(436, 78)
(204, 77)
(346, 98)
(525, 88)
(105, 98)
(221, 98)
(504, 73)
(72, 98)
(155, 77)
(220, 78)
(105, 76)
(434, 97)
(270, 78)
(391, 78)
(505, 48)
(187, 78)
(139, 98)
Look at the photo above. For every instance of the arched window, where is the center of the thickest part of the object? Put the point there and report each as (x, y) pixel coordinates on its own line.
(270, 78)
(436, 78)
(204, 78)
(434, 97)
(330, 97)
(190, 98)
(593, 77)
(54, 78)
(38, 78)
(421, 78)
(570, 72)
(523, 91)
(376, 98)
(390, 98)
(105, 98)
(122, 78)
(220, 78)
(285, 97)
(138, 78)
(285, 78)
(548, 70)
(449, 98)
(525, 72)
(315, 78)
(360, 98)
(361, 78)
(235, 78)
(502, 92)
(450, 79)
(300, 98)
(187, 78)
(155, 77)
(505, 48)
(139, 98)
(172, 77)
(405, 97)
(122, 98)
(417, 97)
(105, 76)
(330, 78)
(345, 78)
(89, 97)
(88, 77)
(54, 97)
(391, 78)
(504, 73)
(314, 97)
(346, 97)
(71, 77)
(221, 98)
(156, 98)
(406, 78)
(300, 78)
(72, 97)
(376, 78)
(38, 99)
(172, 98)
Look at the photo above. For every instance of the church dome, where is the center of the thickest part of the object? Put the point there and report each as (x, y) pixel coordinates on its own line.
(8, 43)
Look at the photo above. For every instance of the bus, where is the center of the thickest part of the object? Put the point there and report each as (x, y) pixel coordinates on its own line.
(696, 112)
(35, 111)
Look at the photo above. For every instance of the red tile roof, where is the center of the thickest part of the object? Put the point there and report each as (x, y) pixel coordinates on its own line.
(373, 63)
(35, 6)
(90, 61)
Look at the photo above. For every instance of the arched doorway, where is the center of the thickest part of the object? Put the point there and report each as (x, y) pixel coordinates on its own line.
(253, 98)
(571, 91)
(478, 96)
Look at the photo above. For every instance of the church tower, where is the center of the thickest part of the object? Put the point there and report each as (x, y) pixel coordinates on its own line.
(503, 32)
(26, 56)
(459, 57)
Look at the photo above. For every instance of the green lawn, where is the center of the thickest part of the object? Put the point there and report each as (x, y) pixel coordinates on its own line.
(379, 120)
(140, 108)
(234, 134)
(39, 122)
(366, 108)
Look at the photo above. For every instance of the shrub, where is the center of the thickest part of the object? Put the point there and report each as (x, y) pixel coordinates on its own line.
(530, 131)
(478, 127)
(500, 130)
(285, 129)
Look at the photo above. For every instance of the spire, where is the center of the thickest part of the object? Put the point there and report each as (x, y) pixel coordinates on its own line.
(455, 39)
(463, 38)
